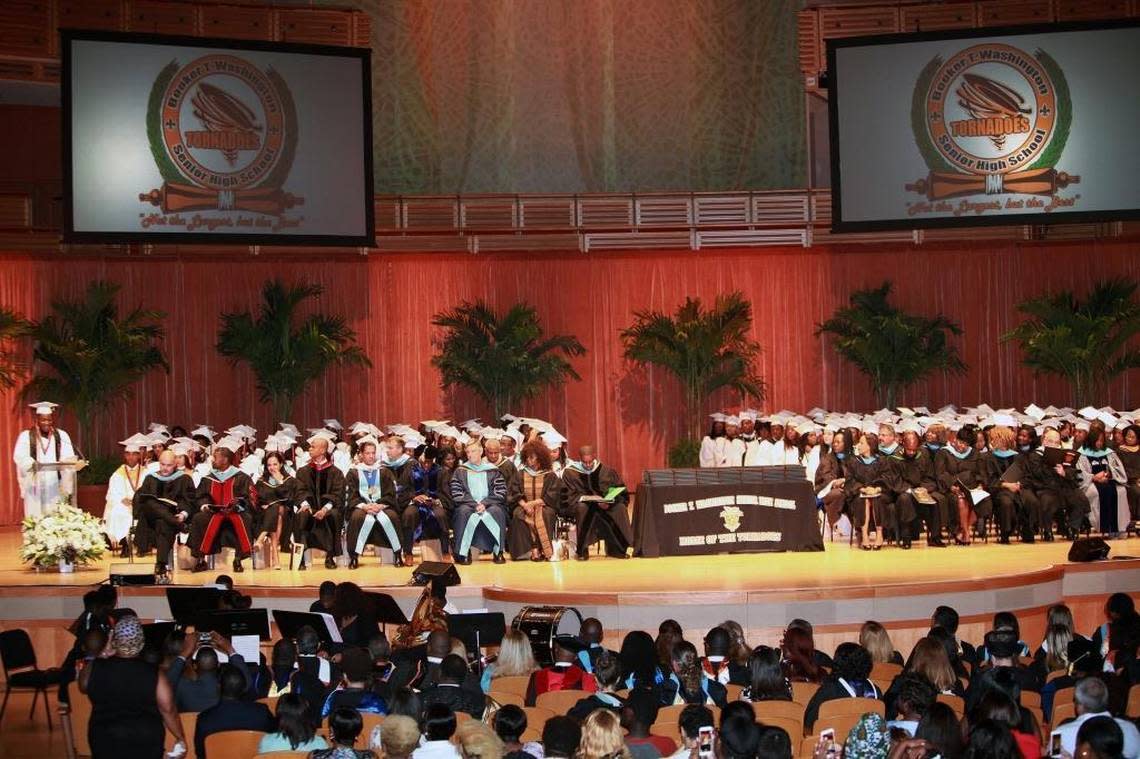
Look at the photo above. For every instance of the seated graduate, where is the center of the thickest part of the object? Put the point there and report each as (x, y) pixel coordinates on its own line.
(538, 497)
(591, 633)
(118, 512)
(829, 477)
(164, 502)
(316, 524)
(586, 481)
(916, 491)
(1004, 469)
(849, 679)
(688, 683)
(449, 689)
(1129, 453)
(224, 498)
(478, 492)
(404, 470)
(959, 464)
(869, 483)
(370, 506)
(493, 452)
(1058, 490)
(1104, 479)
(278, 494)
(564, 674)
(607, 675)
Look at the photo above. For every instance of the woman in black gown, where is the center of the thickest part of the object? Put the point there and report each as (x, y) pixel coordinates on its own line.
(132, 703)
(277, 496)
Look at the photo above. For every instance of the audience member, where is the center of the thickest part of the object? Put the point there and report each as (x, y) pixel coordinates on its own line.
(295, 730)
(991, 740)
(947, 618)
(942, 731)
(196, 686)
(737, 738)
(325, 596)
(438, 727)
(1002, 647)
(345, 725)
(396, 737)
(693, 718)
(914, 695)
(564, 674)
(510, 723)
(478, 741)
(773, 743)
(637, 717)
(766, 680)
(874, 637)
(869, 739)
(561, 737)
(607, 674)
(738, 653)
(847, 680)
(998, 707)
(715, 661)
(1100, 738)
(406, 702)
(799, 660)
(602, 737)
(639, 661)
(591, 635)
(354, 691)
(449, 689)
(1090, 697)
(515, 659)
(231, 712)
(688, 683)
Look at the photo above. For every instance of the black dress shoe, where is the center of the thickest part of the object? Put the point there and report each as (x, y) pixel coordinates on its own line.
(160, 569)
(463, 560)
(200, 566)
(330, 562)
(302, 566)
(353, 561)
(125, 551)
(1004, 540)
(582, 556)
(397, 559)
(1048, 536)
(499, 559)
(905, 545)
(237, 566)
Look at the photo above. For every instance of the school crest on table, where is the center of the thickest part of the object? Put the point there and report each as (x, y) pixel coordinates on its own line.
(992, 119)
(731, 515)
(223, 134)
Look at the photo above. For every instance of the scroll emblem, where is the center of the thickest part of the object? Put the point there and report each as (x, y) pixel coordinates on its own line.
(992, 119)
(223, 134)
(731, 516)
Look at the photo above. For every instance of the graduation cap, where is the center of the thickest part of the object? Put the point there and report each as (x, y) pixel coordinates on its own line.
(243, 431)
(290, 430)
(554, 438)
(507, 418)
(321, 434)
(1110, 421)
(732, 421)
(230, 443)
(1004, 420)
(448, 431)
(159, 429)
(470, 423)
(43, 408)
(414, 441)
(181, 449)
(806, 427)
(513, 434)
(1002, 644)
(718, 417)
(332, 424)
(136, 442)
(366, 440)
(1088, 412)
(433, 425)
(362, 428)
(202, 430)
(909, 425)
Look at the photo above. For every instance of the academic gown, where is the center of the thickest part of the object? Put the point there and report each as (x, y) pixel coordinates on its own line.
(433, 516)
(158, 519)
(708, 456)
(1057, 493)
(118, 510)
(1108, 501)
(878, 473)
(322, 487)
(405, 471)
(469, 486)
(831, 468)
(224, 513)
(366, 487)
(949, 468)
(1131, 462)
(520, 537)
(43, 487)
(1009, 506)
(611, 523)
(913, 472)
(276, 503)
(560, 676)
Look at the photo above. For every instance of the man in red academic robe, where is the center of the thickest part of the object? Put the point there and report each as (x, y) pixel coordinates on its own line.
(565, 674)
(224, 505)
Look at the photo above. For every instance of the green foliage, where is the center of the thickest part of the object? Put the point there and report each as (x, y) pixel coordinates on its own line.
(893, 348)
(88, 358)
(1089, 342)
(98, 470)
(502, 359)
(12, 327)
(685, 454)
(287, 354)
(706, 350)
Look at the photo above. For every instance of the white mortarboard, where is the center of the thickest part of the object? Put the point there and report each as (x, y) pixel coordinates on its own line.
(748, 414)
(229, 443)
(507, 418)
(910, 424)
(181, 449)
(904, 411)
(360, 428)
(869, 426)
(1054, 411)
(332, 424)
(1005, 420)
(805, 427)
(414, 441)
(433, 424)
(1035, 411)
(1088, 412)
(553, 438)
(137, 441)
(1051, 423)
(243, 431)
(718, 416)
(44, 408)
(1082, 424)
(159, 428)
(187, 441)
(463, 438)
(1110, 420)
(203, 430)
(365, 441)
(470, 423)
(513, 434)
(733, 421)
(290, 430)
(540, 425)
(449, 431)
(157, 438)
(817, 412)
(923, 410)
(321, 434)
(984, 409)
(949, 408)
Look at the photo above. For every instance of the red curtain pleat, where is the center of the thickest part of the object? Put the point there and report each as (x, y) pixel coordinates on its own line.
(631, 415)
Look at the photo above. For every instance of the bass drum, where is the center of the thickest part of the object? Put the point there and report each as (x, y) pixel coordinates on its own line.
(541, 623)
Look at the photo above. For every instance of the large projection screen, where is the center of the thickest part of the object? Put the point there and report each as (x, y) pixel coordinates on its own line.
(1023, 125)
(188, 140)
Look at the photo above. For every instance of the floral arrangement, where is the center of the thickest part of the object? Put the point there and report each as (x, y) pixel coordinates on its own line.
(67, 534)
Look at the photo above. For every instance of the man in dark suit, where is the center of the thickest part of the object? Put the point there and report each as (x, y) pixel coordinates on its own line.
(450, 690)
(231, 713)
(1004, 671)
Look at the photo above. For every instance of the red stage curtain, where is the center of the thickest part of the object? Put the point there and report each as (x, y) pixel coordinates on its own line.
(631, 415)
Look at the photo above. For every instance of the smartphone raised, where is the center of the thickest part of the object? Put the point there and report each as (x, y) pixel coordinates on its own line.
(705, 742)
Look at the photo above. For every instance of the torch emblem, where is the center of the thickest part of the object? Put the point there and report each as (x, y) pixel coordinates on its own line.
(223, 134)
(991, 119)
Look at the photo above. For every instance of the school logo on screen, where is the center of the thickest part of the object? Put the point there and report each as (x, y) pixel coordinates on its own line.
(991, 120)
(223, 134)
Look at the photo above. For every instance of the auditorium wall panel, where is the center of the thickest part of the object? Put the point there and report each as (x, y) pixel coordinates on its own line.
(630, 414)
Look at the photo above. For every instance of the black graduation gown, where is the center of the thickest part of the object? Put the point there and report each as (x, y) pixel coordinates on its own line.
(276, 502)
(520, 541)
(159, 518)
(1056, 493)
(232, 526)
(831, 468)
(879, 473)
(355, 514)
(918, 472)
(948, 468)
(464, 509)
(612, 524)
(320, 487)
(1022, 506)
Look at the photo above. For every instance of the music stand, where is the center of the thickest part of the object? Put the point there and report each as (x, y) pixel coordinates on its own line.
(478, 630)
(231, 622)
(289, 623)
(156, 633)
(388, 612)
(187, 604)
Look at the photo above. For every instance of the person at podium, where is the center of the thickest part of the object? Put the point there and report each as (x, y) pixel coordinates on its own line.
(43, 443)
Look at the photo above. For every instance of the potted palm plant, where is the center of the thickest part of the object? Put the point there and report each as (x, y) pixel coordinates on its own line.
(12, 328)
(1089, 342)
(286, 353)
(88, 357)
(706, 350)
(503, 359)
(893, 348)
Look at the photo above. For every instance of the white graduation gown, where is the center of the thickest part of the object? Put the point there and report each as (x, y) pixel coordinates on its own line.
(42, 487)
(118, 512)
(732, 453)
(341, 458)
(781, 455)
(811, 462)
(708, 455)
